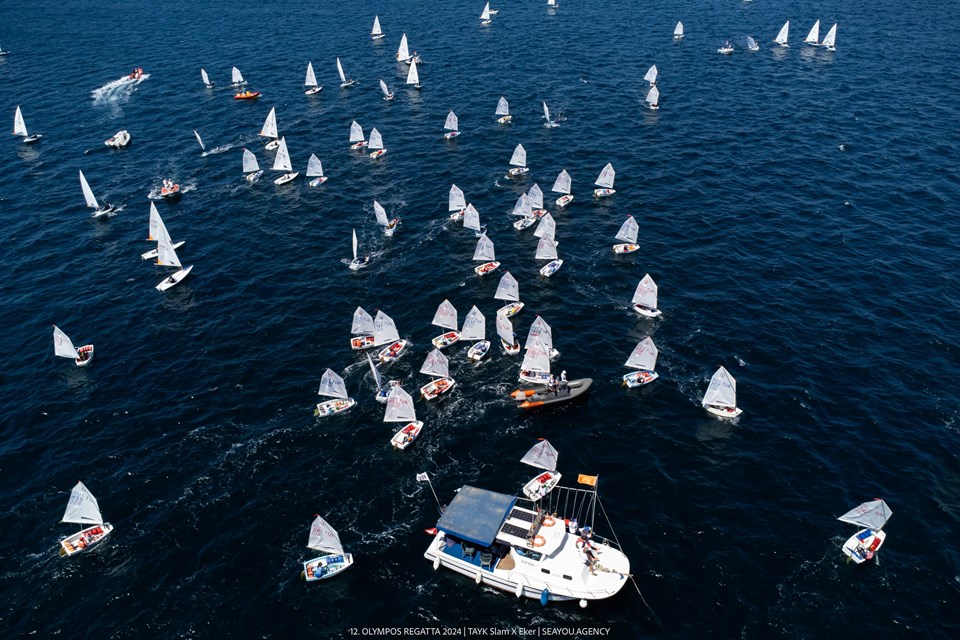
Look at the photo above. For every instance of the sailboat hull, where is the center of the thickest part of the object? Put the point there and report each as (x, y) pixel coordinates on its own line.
(347, 84)
(486, 267)
(85, 540)
(437, 387)
(150, 255)
(450, 135)
(541, 485)
(313, 91)
(862, 545)
(723, 412)
(639, 378)
(479, 350)
(359, 343)
(510, 310)
(524, 223)
(603, 193)
(253, 177)
(273, 144)
(379, 153)
(393, 351)
(510, 349)
(332, 407)
(357, 146)
(446, 339)
(319, 180)
(551, 268)
(85, 355)
(541, 378)
(516, 172)
(647, 312)
(287, 177)
(563, 201)
(104, 212)
(174, 279)
(405, 437)
(625, 248)
(326, 566)
(505, 119)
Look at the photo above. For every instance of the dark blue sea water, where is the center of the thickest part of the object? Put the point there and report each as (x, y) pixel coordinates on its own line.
(797, 209)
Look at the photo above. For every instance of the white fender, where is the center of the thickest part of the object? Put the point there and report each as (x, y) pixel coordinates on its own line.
(519, 590)
(436, 562)
(479, 577)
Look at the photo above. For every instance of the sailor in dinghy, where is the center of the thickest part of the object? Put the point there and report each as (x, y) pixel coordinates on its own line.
(63, 347)
(83, 509)
(332, 386)
(324, 538)
(865, 543)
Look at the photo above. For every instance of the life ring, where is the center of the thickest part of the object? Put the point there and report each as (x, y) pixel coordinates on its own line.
(539, 541)
(548, 521)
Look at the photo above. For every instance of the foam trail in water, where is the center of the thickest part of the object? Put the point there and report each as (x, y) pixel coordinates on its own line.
(116, 90)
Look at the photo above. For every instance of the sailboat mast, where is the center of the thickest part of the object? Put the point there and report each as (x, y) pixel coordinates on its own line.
(593, 503)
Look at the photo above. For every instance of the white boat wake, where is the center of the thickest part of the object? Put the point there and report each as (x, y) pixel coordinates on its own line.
(117, 90)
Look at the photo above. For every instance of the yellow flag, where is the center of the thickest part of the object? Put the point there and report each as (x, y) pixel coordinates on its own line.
(590, 480)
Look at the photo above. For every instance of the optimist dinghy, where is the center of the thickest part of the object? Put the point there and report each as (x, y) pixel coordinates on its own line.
(332, 386)
(644, 359)
(446, 317)
(871, 516)
(542, 456)
(324, 538)
(82, 509)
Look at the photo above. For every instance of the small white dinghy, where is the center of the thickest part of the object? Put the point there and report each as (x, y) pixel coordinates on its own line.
(645, 298)
(547, 227)
(400, 409)
(361, 330)
(206, 79)
(167, 257)
(508, 339)
(485, 15)
(547, 250)
(562, 185)
(282, 163)
(503, 110)
(63, 347)
(332, 386)
(389, 225)
(376, 33)
(452, 125)
(446, 318)
(519, 162)
(813, 36)
(376, 143)
(119, 140)
(475, 328)
(678, 31)
(385, 333)
(82, 509)
(539, 329)
(644, 359)
(720, 400)
(315, 171)
(251, 168)
(509, 290)
(471, 220)
(105, 211)
(413, 76)
(486, 254)
(830, 40)
(403, 51)
(20, 128)
(542, 456)
(324, 538)
(310, 82)
(387, 94)
(653, 99)
(535, 368)
(605, 182)
(535, 196)
(524, 209)
(438, 366)
(357, 140)
(628, 233)
(157, 229)
(752, 44)
(344, 83)
(269, 130)
(784, 35)
(651, 75)
(549, 124)
(865, 543)
(358, 262)
(456, 203)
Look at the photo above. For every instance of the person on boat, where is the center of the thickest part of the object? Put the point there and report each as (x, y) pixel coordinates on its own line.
(172, 280)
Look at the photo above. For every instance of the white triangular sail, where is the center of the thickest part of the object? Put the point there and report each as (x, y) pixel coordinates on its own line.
(88, 193)
(384, 88)
(535, 194)
(542, 456)
(269, 129)
(537, 358)
(19, 127)
(323, 537)
(653, 96)
(722, 391)
(505, 329)
(546, 228)
(155, 223)
(629, 230)
(546, 112)
(362, 323)
(282, 161)
(436, 364)
(869, 515)
(485, 14)
(474, 325)
(236, 76)
(446, 316)
(523, 206)
(562, 183)
(376, 140)
(519, 157)
(82, 507)
(200, 140)
(752, 44)
(452, 123)
(651, 75)
(311, 79)
(471, 218)
(380, 213)
(384, 330)
(314, 166)
(355, 243)
(166, 254)
(343, 78)
(403, 51)
(399, 406)
(814, 34)
(250, 163)
(376, 372)
(606, 177)
(332, 385)
(62, 346)
(644, 355)
(413, 76)
(356, 132)
(206, 79)
(830, 39)
(539, 330)
(508, 289)
(376, 31)
(503, 107)
(678, 30)
(484, 250)
(455, 201)
(646, 293)
(784, 34)
(546, 249)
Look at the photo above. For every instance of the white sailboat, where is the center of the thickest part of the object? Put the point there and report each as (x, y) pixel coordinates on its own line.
(605, 182)
(721, 397)
(237, 78)
(446, 318)
(269, 130)
(519, 162)
(400, 409)
(310, 82)
(547, 250)
(362, 330)
(547, 227)
(542, 456)
(645, 298)
(535, 197)
(485, 253)
(475, 328)
(452, 125)
(389, 226)
(387, 94)
(814, 35)
(206, 79)
(562, 186)
(383, 391)
(524, 209)
(403, 51)
(282, 163)
(508, 339)
(784, 35)
(508, 290)
(678, 31)
(83, 509)
(63, 347)
(651, 75)
(385, 333)
(549, 124)
(485, 15)
(865, 543)
(653, 98)
(356, 136)
(167, 257)
(438, 366)
(456, 203)
(324, 538)
(644, 359)
(376, 33)
(503, 110)
(20, 128)
(830, 40)
(344, 83)
(4, 53)
(628, 233)
(122, 138)
(315, 171)
(752, 44)
(157, 229)
(358, 263)
(413, 76)
(251, 168)
(99, 211)
(471, 220)
(535, 368)
(540, 329)
(203, 147)
(332, 386)
(376, 143)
